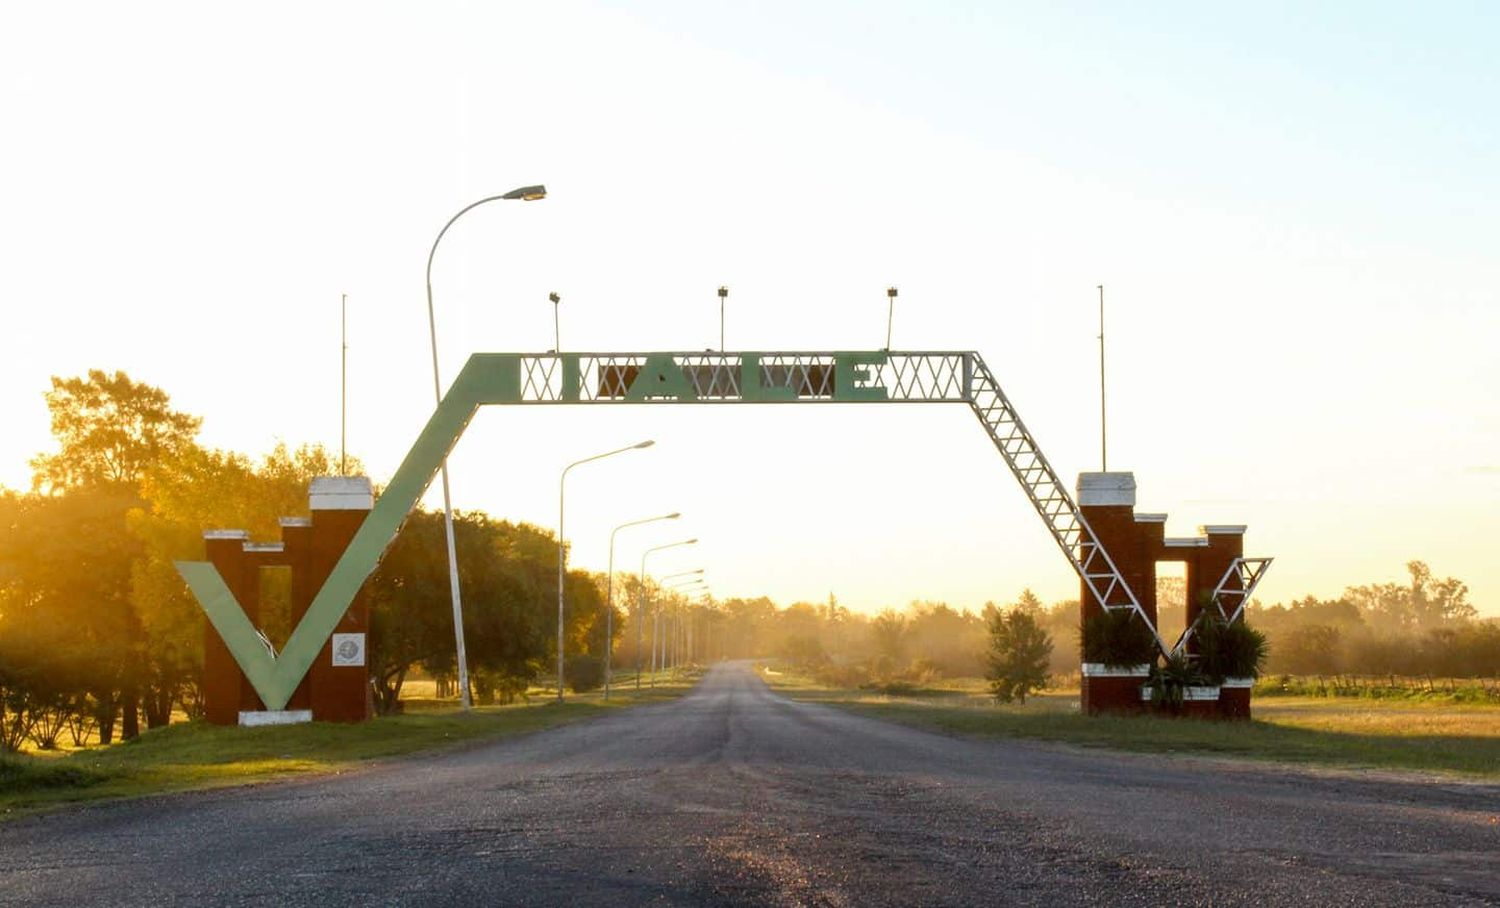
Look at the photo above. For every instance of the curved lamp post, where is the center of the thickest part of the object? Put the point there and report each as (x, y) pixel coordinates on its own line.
(691, 582)
(641, 605)
(562, 549)
(609, 595)
(528, 194)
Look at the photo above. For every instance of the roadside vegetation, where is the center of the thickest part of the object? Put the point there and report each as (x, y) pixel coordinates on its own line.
(1435, 734)
(196, 755)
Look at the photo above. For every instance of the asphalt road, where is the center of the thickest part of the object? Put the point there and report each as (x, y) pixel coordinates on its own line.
(736, 796)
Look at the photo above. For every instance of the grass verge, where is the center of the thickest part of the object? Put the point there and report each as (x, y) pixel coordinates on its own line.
(1457, 740)
(195, 755)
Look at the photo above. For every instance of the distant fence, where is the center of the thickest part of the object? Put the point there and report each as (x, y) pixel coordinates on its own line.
(1380, 687)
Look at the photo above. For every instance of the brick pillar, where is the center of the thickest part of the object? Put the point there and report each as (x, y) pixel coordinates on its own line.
(340, 676)
(1225, 544)
(224, 687)
(296, 537)
(1107, 501)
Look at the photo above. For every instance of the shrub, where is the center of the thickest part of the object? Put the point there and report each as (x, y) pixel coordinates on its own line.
(1118, 638)
(584, 673)
(1227, 650)
(1170, 679)
(1018, 655)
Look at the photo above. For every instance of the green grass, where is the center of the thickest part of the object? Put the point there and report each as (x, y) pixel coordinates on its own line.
(196, 755)
(1452, 739)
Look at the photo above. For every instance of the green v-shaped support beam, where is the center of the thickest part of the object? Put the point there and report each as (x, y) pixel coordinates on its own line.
(879, 376)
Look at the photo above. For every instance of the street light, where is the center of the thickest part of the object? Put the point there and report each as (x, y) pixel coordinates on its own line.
(723, 295)
(556, 330)
(528, 194)
(641, 605)
(890, 315)
(562, 551)
(609, 596)
(659, 635)
(671, 636)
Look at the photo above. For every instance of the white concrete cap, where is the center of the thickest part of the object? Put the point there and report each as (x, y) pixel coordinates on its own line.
(226, 534)
(1150, 518)
(1223, 529)
(341, 493)
(264, 547)
(1106, 489)
(294, 521)
(1188, 542)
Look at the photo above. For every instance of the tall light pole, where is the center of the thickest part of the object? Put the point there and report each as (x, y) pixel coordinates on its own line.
(890, 315)
(343, 384)
(668, 633)
(609, 596)
(562, 545)
(528, 194)
(1103, 443)
(556, 326)
(723, 295)
(641, 603)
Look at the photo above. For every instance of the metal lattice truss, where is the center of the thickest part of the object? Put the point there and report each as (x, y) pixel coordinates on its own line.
(1231, 595)
(888, 377)
(1048, 495)
(743, 377)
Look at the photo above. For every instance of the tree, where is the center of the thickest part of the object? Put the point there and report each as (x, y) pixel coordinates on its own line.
(109, 429)
(888, 632)
(74, 642)
(1424, 604)
(1018, 654)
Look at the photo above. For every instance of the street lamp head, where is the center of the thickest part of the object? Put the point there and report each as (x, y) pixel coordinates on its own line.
(890, 292)
(527, 193)
(674, 515)
(691, 542)
(646, 444)
(723, 292)
(554, 297)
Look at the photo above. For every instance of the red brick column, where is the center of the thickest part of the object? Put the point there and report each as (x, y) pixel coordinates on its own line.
(340, 690)
(223, 682)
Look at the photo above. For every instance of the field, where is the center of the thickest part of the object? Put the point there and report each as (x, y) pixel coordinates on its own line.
(1430, 735)
(193, 755)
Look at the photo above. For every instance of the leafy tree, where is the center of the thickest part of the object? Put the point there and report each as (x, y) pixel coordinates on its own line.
(109, 429)
(508, 573)
(65, 609)
(1018, 654)
(888, 632)
(1423, 604)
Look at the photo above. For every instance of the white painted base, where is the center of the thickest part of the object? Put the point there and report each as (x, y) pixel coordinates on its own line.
(1189, 693)
(1100, 670)
(275, 716)
(1239, 683)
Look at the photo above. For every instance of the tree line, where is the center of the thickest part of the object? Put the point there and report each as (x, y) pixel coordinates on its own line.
(100, 637)
(1424, 627)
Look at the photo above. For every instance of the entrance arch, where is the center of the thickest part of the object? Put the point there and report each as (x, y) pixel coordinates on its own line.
(611, 379)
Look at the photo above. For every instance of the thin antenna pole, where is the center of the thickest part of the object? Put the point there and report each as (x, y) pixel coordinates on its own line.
(890, 315)
(1103, 425)
(556, 329)
(344, 384)
(723, 295)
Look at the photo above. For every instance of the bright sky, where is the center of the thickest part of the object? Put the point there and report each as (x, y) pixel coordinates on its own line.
(1291, 207)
